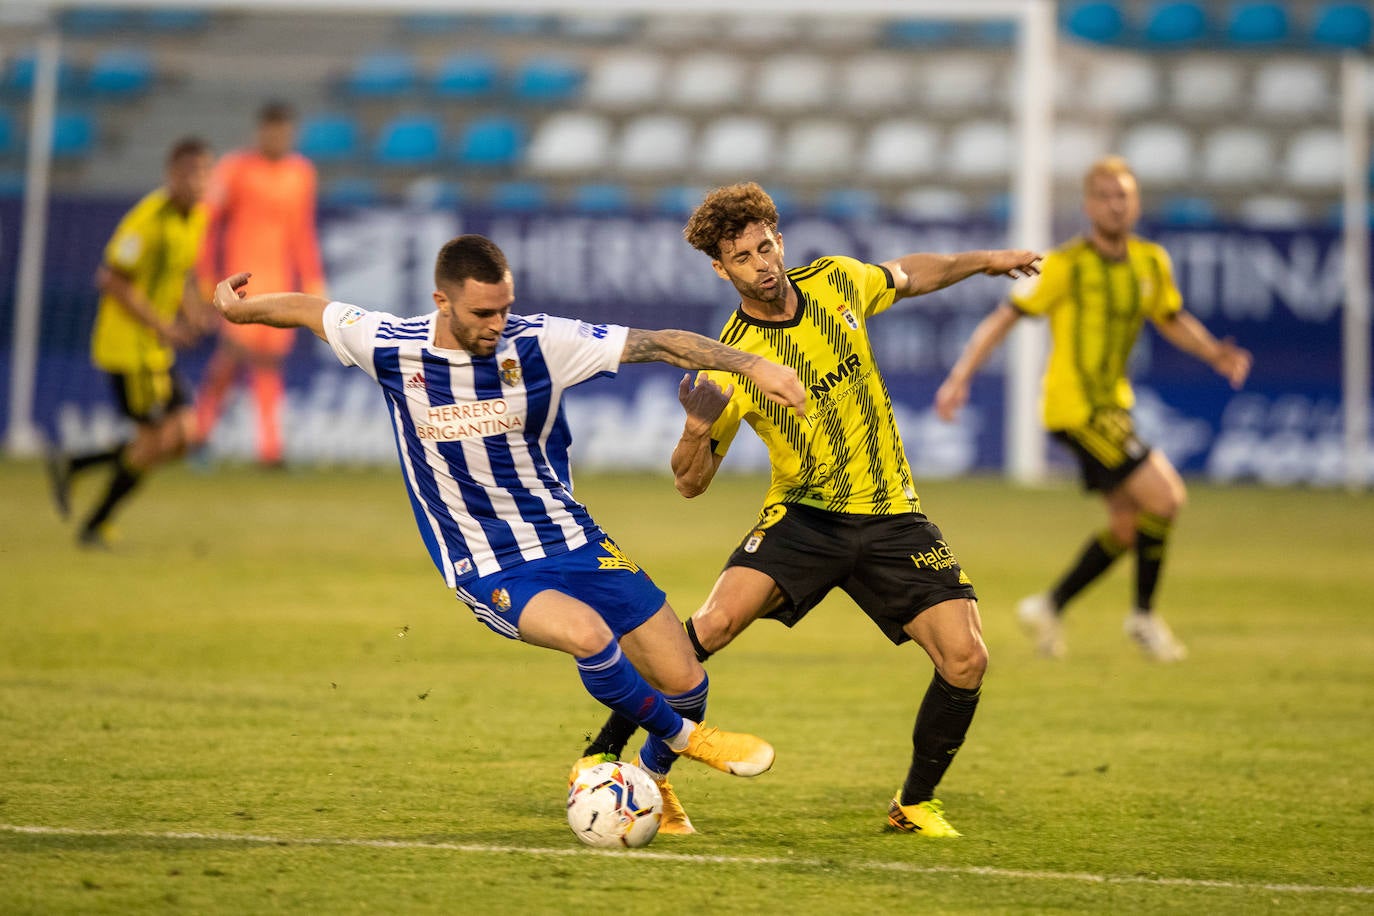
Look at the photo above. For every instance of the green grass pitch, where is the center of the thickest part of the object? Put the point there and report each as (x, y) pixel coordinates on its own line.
(266, 701)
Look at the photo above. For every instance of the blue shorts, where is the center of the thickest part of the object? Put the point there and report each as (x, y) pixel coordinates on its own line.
(597, 574)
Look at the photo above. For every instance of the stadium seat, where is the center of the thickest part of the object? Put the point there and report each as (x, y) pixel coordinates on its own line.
(492, 142)
(547, 81)
(1343, 25)
(1122, 84)
(655, 144)
(707, 80)
(900, 150)
(1315, 159)
(572, 142)
(603, 28)
(121, 72)
(959, 82)
(410, 141)
(794, 82)
(1257, 23)
(679, 31)
(329, 138)
(102, 21)
(921, 33)
(432, 24)
(1238, 156)
(626, 81)
(979, 149)
(1076, 145)
(872, 84)
(934, 204)
(466, 77)
(9, 134)
(1101, 23)
(601, 198)
(1173, 24)
(383, 75)
(518, 24)
(73, 135)
(737, 145)
(1207, 84)
(678, 201)
(818, 148)
(519, 196)
(430, 193)
(1187, 210)
(21, 74)
(350, 192)
(1161, 154)
(756, 32)
(173, 21)
(832, 33)
(851, 204)
(1274, 211)
(1297, 88)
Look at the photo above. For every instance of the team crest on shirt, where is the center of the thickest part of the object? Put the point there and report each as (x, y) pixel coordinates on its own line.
(843, 308)
(510, 372)
(500, 599)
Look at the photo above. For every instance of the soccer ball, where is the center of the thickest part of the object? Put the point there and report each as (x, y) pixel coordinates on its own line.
(614, 804)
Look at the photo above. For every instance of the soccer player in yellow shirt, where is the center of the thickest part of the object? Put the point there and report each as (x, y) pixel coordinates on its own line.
(149, 307)
(1097, 290)
(841, 509)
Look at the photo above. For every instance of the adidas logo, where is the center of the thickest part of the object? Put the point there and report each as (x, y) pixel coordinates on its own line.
(417, 381)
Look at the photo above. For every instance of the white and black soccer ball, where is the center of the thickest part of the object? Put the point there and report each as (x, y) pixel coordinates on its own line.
(614, 804)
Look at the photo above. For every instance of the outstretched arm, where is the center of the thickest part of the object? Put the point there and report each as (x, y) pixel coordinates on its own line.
(279, 310)
(918, 274)
(1227, 359)
(693, 351)
(991, 331)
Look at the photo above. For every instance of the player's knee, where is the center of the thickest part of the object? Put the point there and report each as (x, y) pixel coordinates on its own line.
(588, 638)
(966, 664)
(1122, 528)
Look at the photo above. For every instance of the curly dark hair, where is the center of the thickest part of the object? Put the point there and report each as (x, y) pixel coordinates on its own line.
(725, 213)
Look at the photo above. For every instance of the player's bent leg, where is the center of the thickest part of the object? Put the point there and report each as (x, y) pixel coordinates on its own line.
(1158, 491)
(661, 651)
(740, 596)
(951, 632)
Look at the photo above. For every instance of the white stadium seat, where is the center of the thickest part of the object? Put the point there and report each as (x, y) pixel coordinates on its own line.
(795, 82)
(627, 80)
(979, 149)
(901, 149)
(737, 145)
(873, 85)
(1076, 146)
(1315, 159)
(707, 80)
(1271, 211)
(570, 143)
(1238, 156)
(818, 148)
(958, 82)
(1121, 84)
(1160, 154)
(934, 203)
(655, 144)
(1293, 88)
(1208, 83)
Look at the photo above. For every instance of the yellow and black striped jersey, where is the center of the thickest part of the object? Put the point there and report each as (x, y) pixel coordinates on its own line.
(155, 245)
(1096, 306)
(847, 455)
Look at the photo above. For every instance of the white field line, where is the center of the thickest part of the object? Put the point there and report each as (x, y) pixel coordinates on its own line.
(909, 867)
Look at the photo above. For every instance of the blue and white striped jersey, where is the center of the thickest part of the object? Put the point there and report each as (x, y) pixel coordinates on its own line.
(483, 441)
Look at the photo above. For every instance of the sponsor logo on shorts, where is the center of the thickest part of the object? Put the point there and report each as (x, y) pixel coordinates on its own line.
(462, 566)
(938, 557)
(754, 542)
(617, 558)
(500, 599)
(350, 316)
(510, 372)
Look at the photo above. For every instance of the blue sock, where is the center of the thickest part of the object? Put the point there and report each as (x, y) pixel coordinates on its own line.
(609, 676)
(656, 755)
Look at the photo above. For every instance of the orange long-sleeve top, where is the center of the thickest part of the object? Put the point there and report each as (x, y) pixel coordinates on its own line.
(262, 219)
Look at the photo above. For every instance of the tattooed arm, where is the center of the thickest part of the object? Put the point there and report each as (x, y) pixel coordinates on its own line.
(693, 351)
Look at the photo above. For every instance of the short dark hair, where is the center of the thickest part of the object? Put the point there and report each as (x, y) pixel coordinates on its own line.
(187, 146)
(726, 213)
(276, 111)
(469, 257)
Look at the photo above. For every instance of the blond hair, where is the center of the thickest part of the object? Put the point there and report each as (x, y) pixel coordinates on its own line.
(725, 213)
(1108, 166)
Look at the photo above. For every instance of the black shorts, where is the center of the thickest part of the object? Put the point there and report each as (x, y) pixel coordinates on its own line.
(1106, 447)
(148, 395)
(893, 566)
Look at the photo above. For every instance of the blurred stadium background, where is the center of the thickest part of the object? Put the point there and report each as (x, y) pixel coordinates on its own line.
(579, 142)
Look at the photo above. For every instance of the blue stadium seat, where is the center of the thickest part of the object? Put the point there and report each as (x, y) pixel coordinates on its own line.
(385, 74)
(11, 184)
(1343, 25)
(121, 72)
(1257, 23)
(1175, 23)
(9, 134)
(850, 204)
(492, 142)
(421, 24)
(95, 21)
(410, 141)
(677, 201)
(601, 198)
(519, 196)
(1187, 211)
(431, 193)
(350, 192)
(548, 81)
(21, 74)
(918, 33)
(172, 21)
(330, 138)
(995, 33)
(1102, 23)
(73, 135)
(467, 76)
(518, 24)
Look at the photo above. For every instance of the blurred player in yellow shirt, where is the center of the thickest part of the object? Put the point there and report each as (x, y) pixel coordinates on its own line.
(262, 217)
(1097, 290)
(149, 307)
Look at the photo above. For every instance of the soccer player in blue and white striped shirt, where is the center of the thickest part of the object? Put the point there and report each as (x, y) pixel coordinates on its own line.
(475, 398)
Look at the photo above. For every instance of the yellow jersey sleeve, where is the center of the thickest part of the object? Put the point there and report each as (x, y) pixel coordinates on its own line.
(875, 285)
(725, 427)
(1037, 295)
(1167, 301)
(132, 238)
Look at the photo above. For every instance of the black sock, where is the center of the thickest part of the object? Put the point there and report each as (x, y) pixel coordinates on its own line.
(691, 629)
(613, 737)
(1151, 536)
(941, 725)
(121, 485)
(1097, 557)
(91, 459)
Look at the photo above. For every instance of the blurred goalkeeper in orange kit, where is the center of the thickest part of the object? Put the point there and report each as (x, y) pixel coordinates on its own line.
(262, 214)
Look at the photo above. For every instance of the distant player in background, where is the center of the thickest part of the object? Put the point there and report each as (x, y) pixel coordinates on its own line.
(262, 214)
(475, 396)
(1097, 291)
(841, 510)
(149, 306)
